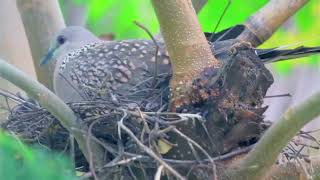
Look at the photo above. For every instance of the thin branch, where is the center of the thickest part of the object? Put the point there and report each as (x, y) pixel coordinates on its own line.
(155, 54)
(157, 176)
(192, 142)
(54, 105)
(198, 4)
(221, 17)
(195, 144)
(268, 19)
(149, 151)
(88, 144)
(265, 153)
(279, 95)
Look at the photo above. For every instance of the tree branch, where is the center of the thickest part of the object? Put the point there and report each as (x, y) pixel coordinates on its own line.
(198, 4)
(187, 46)
(266, 151)
(268, 19)
(54, 105)
(13, 38)
(41, 19)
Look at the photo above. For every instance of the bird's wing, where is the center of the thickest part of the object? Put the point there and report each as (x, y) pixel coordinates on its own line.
(117, 66)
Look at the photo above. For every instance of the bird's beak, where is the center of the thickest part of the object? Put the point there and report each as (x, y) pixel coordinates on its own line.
(48, 57)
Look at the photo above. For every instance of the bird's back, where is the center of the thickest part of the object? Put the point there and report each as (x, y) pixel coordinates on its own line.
(106, 69)
(118, 69)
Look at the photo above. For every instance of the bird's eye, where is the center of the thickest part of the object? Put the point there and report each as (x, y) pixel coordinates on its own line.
(61, 39)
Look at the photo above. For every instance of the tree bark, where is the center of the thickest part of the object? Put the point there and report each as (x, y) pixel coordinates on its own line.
(41, 19)
(268, 19)
(187, 46)
(13, 46)
(198, 4)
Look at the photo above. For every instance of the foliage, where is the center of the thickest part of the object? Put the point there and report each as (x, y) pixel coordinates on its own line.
(17, 161)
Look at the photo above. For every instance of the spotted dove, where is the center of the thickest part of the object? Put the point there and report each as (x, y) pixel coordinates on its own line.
(88, 67)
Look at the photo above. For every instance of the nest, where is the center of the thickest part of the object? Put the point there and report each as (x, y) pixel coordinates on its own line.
(141, 137)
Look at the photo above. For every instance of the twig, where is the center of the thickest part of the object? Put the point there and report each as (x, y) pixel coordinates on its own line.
(199, 147)
(220, 19)
(72, 86)
(149, 151)
(53, 104)
(15, 98)
(194, 152)
(132, 173)
(145, 125)
(157, 176)
(125, 161)
(88, 143)
(121, 121)
(275, 139)
(279, 95)
(156, 52)
(72, 150)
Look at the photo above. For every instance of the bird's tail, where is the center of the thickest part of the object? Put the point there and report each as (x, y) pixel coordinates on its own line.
(274, 55)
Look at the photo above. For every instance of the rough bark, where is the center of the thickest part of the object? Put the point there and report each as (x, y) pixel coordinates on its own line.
(230, 106)
(186, 44)
(41, 19)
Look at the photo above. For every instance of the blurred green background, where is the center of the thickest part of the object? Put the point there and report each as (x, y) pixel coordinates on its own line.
(112, 16)
(17, 161)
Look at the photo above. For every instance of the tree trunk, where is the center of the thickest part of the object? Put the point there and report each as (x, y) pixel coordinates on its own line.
(188, 49)
(75, 14)
(41, 19)
(13, 45)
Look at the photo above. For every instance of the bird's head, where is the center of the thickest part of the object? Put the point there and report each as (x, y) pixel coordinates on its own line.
(68, 40)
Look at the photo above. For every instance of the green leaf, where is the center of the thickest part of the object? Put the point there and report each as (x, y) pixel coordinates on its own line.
(17, 161)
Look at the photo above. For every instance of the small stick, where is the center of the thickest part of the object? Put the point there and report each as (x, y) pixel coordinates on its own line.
(149, 151)
(157, 176)
(214, 168)
(220, 19)
(279, 95)
(91, 164)
(157, 50)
